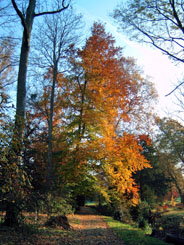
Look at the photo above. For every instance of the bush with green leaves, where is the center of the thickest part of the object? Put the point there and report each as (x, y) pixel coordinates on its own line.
(56, 205)
(141, 214)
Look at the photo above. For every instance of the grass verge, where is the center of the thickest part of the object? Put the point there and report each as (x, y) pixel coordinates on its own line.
(131, 235)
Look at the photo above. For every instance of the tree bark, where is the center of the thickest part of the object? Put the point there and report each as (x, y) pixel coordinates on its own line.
(21, 95)
(21, 84)
(11, 217)
(50, 129)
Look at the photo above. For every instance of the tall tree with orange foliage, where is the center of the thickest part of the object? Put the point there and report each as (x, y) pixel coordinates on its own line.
(91, 149)
(100, 93)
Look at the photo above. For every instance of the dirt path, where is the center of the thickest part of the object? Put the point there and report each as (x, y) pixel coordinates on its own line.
(90, 229)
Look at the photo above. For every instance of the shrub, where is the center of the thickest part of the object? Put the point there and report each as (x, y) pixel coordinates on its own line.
(122, 214)
(141, 214)
(57, 205)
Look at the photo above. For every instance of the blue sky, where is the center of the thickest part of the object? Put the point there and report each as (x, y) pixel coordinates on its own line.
(98, 8)
(162, 72)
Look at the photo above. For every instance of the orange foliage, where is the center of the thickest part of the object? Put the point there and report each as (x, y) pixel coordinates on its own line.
(100, 90)
(89, 104)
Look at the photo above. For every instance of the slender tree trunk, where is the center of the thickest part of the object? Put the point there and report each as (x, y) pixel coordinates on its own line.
(50, 129)
(81, 126)
(21, 97)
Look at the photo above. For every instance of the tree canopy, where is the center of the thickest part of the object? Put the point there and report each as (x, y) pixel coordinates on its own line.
(159, 23)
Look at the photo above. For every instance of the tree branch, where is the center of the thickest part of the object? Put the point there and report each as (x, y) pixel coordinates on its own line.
(19, 14)
(176, 15)
(54, 12)
(152, 41)
(174, 89)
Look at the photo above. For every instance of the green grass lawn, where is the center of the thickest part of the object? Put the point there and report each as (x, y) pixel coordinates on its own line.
(131, 235)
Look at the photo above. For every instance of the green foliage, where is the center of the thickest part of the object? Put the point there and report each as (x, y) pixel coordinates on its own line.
(56, 205)
(170, 144)
(115, 208)
(141, 214)
(171, 137)
(50, 203)
(15, 186)
(153, 183)
(123, 214)
(15, 183)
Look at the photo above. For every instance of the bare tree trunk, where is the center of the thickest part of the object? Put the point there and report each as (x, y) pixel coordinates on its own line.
(27, 25)
(21, 93)
(50, 129)
(21, 83)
